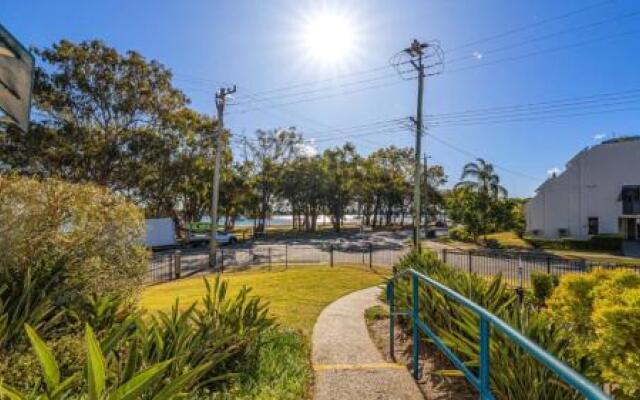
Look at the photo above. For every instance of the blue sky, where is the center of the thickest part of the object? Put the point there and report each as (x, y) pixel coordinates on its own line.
(498, 53)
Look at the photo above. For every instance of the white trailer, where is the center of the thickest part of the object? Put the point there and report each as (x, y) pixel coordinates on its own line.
(160, 232)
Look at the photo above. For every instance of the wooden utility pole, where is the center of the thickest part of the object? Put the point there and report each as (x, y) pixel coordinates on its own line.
(416, 50)
(221, 99)
(426, 193)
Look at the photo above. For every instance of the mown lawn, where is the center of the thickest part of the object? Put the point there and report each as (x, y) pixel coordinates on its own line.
(296, 295)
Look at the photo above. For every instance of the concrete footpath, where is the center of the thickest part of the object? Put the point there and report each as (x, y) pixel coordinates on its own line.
(347, 363)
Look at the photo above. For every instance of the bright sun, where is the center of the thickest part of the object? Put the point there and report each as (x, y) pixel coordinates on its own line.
(329, 38)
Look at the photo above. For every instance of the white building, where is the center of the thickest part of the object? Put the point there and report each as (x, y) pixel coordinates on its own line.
(599, 192)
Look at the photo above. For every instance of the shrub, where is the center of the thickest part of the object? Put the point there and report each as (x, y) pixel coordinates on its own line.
(460, 233)
(600, 313)
(89, 236)
(516, 375)
(543, 285)
(217, 341)
(596, 242)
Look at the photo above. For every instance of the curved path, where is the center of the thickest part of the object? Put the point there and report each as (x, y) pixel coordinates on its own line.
(346, 362)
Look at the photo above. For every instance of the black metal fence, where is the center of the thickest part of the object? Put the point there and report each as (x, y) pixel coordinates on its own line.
(517, 267)
(167, 266)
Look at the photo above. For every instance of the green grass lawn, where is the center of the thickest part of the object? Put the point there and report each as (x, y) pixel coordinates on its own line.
(296, 295)
(510, 240)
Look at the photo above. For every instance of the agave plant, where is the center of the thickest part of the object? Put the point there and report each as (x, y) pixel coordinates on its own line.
(24, 301)
(55, 387)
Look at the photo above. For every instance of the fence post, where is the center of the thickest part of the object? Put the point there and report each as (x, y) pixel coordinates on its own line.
(370, 255)
(331, 255)
(286, 256)
(520, 289)
(416, 335)
(172, 263)
(444, 255)
(243, 235)
(221, 260)
(485, 330)
(470, 262)
(390, 301)
(269, 258)
(178, 261)
(548, 265)
(363, 256)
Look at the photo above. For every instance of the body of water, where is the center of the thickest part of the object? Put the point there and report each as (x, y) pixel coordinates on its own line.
(287, 220)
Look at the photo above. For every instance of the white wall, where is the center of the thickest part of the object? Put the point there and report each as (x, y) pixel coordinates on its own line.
(589, 187)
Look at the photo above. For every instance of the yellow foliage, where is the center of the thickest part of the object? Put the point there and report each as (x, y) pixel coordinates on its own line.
(600, 312)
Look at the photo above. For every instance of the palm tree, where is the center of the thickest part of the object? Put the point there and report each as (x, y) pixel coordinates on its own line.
(480, 176)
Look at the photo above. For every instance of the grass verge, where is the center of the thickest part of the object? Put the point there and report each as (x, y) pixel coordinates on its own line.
(296, 295)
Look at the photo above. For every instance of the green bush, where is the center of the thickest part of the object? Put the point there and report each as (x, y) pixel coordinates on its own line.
(89, 236)
(460, 233)
(602, 242)
(516, 375)
(600, 314)
(543, 285)
(227, 334)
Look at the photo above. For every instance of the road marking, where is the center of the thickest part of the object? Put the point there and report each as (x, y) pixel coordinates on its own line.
(342, 367)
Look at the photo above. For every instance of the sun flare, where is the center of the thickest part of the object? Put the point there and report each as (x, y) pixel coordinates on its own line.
(329, 38)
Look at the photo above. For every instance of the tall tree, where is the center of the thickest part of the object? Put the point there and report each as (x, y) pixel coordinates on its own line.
(339, 166)
(94, 103)
(270, 151)
(480, 177)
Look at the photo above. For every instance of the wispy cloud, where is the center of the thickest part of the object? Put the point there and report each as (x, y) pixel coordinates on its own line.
(599, 136)
(555, 171)
(477, 55)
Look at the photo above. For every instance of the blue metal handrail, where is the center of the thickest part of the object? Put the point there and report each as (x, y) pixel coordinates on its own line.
(487, 320)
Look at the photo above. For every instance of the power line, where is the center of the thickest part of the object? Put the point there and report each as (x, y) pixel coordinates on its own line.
(544, 51)
(322, 97)
(547, 36)
(529, 26)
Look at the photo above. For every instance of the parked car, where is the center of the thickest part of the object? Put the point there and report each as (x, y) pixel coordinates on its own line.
(437, 231)
(202, 239)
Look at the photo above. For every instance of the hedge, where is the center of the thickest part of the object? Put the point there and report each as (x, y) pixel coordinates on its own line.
(596, 242)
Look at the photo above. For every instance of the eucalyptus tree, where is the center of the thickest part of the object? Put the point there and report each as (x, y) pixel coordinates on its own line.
(270, 151)
(339, 165)
(303, 187)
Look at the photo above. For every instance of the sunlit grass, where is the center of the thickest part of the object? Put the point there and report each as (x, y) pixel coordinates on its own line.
(296, 296)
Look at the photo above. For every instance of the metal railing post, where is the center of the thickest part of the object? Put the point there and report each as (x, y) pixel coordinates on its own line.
(286, 256)
(370, 256)
(269, 258)
(470, 262)
(390, 300)
(416, 334)
(444, 256)
(331, 255)
(485, 377)
(178, 262)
